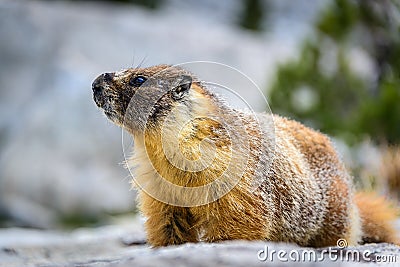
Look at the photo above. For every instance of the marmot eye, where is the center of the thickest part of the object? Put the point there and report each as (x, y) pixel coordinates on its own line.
(137, 81)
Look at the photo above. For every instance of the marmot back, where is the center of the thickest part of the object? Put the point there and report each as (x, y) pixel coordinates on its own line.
(208, 172)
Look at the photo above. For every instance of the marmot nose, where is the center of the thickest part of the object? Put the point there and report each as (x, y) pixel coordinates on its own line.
(97, 85)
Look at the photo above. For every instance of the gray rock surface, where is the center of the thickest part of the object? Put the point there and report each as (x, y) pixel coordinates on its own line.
(108, 246)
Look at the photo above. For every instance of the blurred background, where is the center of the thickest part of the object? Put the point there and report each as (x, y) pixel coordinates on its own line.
(331, 64)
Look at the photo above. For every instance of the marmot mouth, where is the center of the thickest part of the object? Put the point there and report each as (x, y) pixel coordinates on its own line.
(107, 108)
(109, 114)
(98, 99)
(112, 116)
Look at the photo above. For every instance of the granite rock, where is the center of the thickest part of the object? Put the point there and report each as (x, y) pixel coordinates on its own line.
(108, 246)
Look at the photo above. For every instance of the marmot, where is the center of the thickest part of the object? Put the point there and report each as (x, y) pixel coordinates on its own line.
(284, 183)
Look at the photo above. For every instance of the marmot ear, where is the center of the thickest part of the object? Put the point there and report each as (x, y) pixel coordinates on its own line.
(179, 91)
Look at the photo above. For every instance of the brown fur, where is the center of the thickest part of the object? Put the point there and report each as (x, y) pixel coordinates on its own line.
(304, 193)
(391, 170)
(377, 216)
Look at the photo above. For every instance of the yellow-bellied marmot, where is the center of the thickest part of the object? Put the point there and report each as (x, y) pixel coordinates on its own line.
(208, 172)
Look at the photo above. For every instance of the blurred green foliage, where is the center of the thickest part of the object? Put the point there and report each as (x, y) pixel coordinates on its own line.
(323, 88)
(76, 220)
(151, 4)
(252, 14)
(85, 219)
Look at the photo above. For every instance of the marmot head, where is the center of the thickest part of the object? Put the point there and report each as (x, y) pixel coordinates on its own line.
(138, 98)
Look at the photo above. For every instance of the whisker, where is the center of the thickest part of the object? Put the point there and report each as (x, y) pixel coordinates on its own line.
(133, 59)
(142, 62)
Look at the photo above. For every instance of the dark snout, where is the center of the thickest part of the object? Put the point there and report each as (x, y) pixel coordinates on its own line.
(98, 87)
